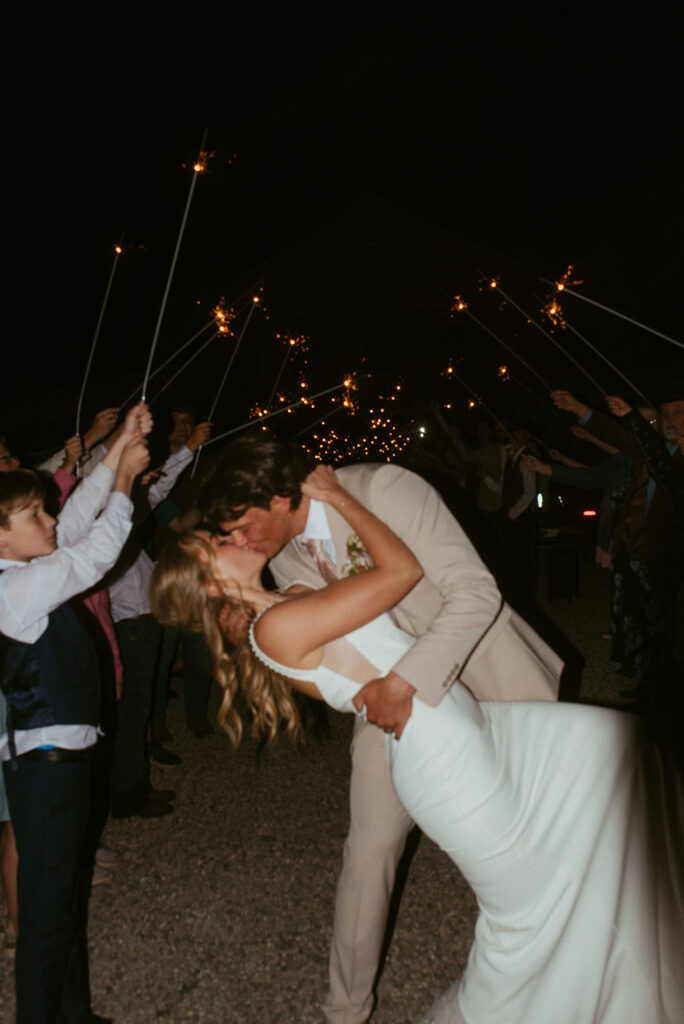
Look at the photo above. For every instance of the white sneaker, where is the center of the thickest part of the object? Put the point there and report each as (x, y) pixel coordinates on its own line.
(106, 858)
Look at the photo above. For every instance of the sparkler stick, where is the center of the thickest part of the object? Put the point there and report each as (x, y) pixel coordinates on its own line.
(288, 353)
(198, 168)
(462, 307)
(241, 335)
(327, 416)
(547, 405)
(172, 357)
(495, 285)
(558, 315)
(637, 323)
(480, 402)
(278, 412)
(117, 252)
(185, 364)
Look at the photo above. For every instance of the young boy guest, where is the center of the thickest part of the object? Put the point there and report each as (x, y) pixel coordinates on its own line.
(49, 678)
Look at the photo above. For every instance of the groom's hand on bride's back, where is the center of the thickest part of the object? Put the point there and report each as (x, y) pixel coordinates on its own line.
(233, 623)
(388, 702)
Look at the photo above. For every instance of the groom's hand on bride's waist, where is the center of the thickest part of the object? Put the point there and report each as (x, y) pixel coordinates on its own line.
(388, 702)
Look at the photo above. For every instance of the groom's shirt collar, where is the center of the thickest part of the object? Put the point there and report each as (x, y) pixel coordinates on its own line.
(317, 528)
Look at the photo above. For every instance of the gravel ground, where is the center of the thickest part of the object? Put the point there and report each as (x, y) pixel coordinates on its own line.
(222, 911)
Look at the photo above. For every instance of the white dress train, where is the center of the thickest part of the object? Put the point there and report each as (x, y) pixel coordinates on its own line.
(568, 823)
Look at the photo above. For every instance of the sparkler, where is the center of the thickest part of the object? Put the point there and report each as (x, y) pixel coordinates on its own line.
(223, 317)
(462, 307)
(290, 346)
(200, 166)
(225, 327)
(479, 401)
(117, 252)
(255, 301)
(172, 357)
(301, 401)
(327, 416)
(555, 312)
(185, 365)
(495, 285)
(562, 287)
(547, 405)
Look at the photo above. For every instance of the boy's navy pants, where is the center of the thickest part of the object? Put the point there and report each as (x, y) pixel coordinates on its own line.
(49, 805)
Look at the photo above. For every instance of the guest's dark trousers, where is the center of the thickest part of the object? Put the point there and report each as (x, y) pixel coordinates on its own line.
(197, 674)
(139, 642)
(49, 805)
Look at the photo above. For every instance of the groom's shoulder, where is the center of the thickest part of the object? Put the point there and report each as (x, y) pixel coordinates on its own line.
(371, 480)
(361, 477)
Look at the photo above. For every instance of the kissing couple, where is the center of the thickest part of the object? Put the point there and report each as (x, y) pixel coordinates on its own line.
(561, 817)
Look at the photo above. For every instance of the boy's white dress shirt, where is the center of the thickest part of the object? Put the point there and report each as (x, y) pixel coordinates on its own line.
(30, 591)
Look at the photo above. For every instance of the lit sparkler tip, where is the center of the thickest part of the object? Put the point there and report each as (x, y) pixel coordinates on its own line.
(459, 304)
(554, 312)
(255, 298)
(202, 160)
(223, 317)
(118, 249)
(494, 283)
(566, 279)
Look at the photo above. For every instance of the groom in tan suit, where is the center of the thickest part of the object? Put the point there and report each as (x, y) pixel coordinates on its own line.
(464, 632)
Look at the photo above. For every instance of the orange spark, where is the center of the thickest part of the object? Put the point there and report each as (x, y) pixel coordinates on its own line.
(223, 317)
(566, 279)
(554, 312)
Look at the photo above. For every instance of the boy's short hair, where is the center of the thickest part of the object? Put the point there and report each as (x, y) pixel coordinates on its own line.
(253, 470)
(18, 488)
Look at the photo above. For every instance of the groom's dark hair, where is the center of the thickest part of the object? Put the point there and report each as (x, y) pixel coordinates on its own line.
(251, 471)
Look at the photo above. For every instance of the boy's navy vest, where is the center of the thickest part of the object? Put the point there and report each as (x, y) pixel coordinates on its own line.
(54, 681)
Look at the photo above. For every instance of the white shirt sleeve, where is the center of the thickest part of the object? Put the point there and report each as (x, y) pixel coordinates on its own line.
(529, 491)
(90, 460)
(83, 506)
(29, 591)
(170, 471)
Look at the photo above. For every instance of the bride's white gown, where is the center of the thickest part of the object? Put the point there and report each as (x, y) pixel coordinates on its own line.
(568, 826)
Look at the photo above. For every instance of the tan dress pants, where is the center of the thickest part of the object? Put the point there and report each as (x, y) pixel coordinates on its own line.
(377, 836)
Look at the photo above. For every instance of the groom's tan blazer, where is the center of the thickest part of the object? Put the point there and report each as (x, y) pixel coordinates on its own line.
(464, 629)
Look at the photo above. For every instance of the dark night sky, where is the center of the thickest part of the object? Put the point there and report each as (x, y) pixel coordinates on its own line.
(536, 142)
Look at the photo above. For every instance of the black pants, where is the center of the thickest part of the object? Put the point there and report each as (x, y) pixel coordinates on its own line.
(49, 804)
(139, 642)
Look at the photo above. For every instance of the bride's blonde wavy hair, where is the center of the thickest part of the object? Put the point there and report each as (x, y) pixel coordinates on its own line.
(186, 592)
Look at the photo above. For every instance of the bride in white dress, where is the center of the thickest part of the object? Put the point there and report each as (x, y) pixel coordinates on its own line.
(566, 820)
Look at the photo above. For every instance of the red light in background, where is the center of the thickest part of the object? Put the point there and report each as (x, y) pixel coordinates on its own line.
(589, 512)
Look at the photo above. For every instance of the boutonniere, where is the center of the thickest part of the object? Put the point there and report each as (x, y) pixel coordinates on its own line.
(358, 559)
